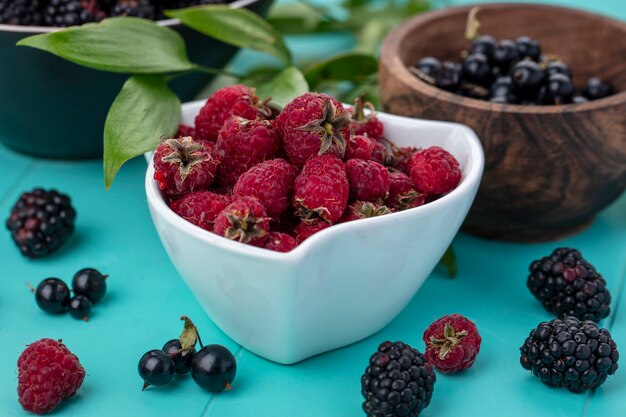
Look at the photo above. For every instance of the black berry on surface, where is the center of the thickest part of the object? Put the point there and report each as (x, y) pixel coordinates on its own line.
(79, 307)
(52, 295)
(41, 221)
(397, 382)
(596, 89)
(527, 47)
(567, 285)
(571, 354)
(182, 359)
(156, 368)
(90, 283)
(214, 368)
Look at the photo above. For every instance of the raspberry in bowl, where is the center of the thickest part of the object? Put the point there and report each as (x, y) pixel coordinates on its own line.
(321, 287)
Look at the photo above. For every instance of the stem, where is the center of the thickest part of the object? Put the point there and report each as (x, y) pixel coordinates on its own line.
(30, 287)
(199, 340)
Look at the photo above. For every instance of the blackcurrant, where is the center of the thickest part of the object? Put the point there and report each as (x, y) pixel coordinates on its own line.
(558, 67)
(52, 295)
(579, 100)
(596, 89)
(485, 45)
(449, 76)
(527, 47)
(156, 368)
(79, 307)
(182, 360)
(90, 283)
(214, 368)
(504, 55)
(501, 91)
(476, 69)
(558, 90)
(527, 78)
(428, 66)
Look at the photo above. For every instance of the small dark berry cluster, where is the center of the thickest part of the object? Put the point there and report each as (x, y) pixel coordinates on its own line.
(64, 13)
(41, 221)
(509, 72)
(272, 179)
(213, 367)
(571, 354)
(567, 285)
(53, 295)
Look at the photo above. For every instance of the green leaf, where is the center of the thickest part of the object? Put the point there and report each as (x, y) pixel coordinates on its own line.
(124, 44)
(293, 18)
(239, 27)
(143, 111)
(448, 260)
(283, 88)
(348, 66)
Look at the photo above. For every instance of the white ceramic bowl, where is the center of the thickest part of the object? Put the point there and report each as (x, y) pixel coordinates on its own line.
(340, 285)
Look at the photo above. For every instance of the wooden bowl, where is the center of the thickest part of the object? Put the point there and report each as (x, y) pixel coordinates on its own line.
(53, 108)
(548, 169)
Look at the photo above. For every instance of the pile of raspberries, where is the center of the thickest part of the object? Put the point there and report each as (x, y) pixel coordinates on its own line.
(64, 13)
(271, 179)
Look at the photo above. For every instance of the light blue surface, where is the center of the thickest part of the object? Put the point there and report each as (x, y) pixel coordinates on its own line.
(146, 297)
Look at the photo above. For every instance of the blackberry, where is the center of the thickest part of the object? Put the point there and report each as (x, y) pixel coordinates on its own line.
(397, 382)
(596, 89)
(571, 354)
(135, 8)
(21, 12)
(63, 13)
(41, 221)
(476, 69)
(567, 285)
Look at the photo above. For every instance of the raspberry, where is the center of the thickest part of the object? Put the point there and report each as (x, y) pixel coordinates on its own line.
(21, 12)
(242, 144)
(380, 153)
(271, 182)
(47, 373)
(434, 171)
(402, 193)
(397, 382)
(313, 124)
(363, 210)
(244, 220)
(571, 354)
(182, 166)
(452, 343)
(280, 242)
(41, 222)
(185, 130)
(567, 285)
(306, 229)
(235, 100)
(368, 125)
(399, 158)
(321, 190)
(368, 180)
(201, 207)
(360, 147)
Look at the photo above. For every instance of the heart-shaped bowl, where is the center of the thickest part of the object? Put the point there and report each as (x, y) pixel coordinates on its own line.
(339, 286)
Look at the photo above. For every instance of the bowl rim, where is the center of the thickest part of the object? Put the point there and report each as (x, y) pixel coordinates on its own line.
(390, 57)
(165, 22)
(471, 178)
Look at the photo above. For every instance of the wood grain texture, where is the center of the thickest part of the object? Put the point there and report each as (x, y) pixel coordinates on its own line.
(549, 169)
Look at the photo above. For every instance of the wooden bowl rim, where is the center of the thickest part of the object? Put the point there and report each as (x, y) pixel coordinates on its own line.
(165, 22)
(389, 56)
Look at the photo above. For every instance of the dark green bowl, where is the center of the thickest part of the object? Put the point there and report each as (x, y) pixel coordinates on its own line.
(52, 108)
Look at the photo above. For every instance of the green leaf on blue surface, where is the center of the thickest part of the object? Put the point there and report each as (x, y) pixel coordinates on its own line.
(448, 260)
(347, 66)
(283, 88)
(124, 44)
(239, 27)
(144, 111)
